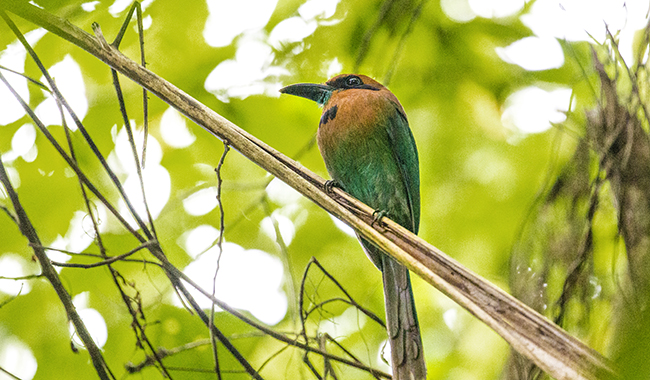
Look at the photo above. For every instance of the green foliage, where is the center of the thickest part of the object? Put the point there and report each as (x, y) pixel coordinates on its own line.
(479, 181)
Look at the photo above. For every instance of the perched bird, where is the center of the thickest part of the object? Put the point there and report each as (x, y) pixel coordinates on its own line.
(369, 152)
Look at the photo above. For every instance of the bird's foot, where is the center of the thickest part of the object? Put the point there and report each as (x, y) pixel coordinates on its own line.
(331, 184)
(377, 215)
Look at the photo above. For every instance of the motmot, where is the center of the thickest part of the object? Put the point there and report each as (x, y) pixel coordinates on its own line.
(369, 151)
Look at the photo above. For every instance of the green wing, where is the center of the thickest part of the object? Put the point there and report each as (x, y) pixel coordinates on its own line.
(405, 152)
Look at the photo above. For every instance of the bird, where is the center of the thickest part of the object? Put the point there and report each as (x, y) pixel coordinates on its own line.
(369, 151)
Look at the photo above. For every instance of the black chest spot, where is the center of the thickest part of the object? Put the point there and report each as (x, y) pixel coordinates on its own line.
(328, 115)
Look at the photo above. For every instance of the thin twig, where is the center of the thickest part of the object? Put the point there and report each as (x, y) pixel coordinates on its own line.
(328, 369)
(107, 261)
(9, 374)
(137, 8)
(134, 151)
(10, 214)
(20, 291)
(34, 81)
(217, 170)
(19, 278)
(352, 302)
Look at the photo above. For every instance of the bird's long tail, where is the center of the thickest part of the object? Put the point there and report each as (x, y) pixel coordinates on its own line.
(403, 329)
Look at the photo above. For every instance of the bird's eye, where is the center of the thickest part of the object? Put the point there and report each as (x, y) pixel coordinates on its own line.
(354, 81)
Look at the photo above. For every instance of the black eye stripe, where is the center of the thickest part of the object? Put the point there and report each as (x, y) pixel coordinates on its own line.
(350, 82)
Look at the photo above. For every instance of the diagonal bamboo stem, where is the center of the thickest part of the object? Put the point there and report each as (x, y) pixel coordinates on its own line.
(551, 348)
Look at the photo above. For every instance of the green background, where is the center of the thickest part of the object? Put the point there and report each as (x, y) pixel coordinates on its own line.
(479, 181)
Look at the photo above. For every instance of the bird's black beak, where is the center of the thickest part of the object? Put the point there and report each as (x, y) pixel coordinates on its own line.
(320, 93)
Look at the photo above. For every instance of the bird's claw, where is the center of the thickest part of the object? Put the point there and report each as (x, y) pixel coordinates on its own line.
(330, 184)
(377, 215)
